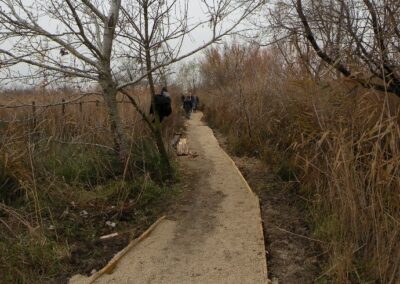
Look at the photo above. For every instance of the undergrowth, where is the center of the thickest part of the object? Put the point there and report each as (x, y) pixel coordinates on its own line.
(62, 188)
(336, 142)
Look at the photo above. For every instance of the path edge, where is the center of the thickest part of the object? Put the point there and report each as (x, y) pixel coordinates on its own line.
(265, 266)
(111, 265)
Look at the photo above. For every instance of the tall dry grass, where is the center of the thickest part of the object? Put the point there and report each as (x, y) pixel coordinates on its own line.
(338, 142)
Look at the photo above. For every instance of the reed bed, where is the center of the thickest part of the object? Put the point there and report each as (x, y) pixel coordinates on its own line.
(336, 142)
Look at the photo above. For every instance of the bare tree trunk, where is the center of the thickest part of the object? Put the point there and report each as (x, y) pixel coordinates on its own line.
(157, 129)
(109, 86)
(116, 126)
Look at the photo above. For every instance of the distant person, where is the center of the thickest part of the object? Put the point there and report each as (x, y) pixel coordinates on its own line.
(162, 103)
(196, 102)
(193, 103)
(188, 106)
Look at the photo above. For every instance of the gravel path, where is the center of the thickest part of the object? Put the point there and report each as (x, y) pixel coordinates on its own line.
(216, 238)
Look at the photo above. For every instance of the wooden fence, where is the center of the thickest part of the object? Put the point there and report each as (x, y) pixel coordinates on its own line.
(64, 103)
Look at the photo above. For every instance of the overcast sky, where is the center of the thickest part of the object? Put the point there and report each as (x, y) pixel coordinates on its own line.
(196, 14)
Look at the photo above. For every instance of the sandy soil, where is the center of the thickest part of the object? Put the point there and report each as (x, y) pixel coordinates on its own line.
(216, 237)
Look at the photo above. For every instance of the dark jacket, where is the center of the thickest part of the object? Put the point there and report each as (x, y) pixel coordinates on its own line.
(162, 105)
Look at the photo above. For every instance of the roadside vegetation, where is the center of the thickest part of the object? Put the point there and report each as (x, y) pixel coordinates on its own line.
(336, 142)
(80, 155)
(62, 189)
(310, 88)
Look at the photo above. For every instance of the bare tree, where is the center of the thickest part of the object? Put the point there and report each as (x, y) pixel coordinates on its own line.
(189, 76)
(99, 36)
(81, 29)
(357, 38)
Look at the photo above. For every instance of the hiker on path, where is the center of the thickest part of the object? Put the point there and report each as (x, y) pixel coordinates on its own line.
(162, 103)
(195, 102)
(188, 106)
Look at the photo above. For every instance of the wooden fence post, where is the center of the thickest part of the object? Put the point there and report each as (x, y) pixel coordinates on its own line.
(33, 115)
(63, 106)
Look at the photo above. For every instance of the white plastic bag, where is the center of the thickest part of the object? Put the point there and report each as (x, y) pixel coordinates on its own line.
(182, 148)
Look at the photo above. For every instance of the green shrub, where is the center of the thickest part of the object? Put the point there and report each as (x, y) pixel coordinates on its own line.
(30, 259)
(9, 187)
(79, 165)
(146, 160)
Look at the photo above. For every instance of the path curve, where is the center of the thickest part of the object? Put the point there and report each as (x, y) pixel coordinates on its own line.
(217, 239)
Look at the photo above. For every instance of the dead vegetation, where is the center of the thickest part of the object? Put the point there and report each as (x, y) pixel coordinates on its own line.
(319, 105)
(336, 142)
(61, 188)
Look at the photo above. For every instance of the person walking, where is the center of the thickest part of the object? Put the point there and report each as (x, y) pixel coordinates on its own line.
(194, 103)
(188, 106)
(162, 103)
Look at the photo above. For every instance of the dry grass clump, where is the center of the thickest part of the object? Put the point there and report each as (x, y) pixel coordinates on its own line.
(339, 142)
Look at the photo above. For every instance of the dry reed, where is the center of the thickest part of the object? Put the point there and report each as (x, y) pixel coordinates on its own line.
(338, 141)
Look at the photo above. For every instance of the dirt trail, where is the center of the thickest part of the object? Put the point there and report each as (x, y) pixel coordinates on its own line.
(216, 238)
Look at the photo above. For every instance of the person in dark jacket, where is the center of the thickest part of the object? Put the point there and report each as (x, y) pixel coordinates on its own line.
(162, 103)
(193, 103)
(196, 102)
(188, 106)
